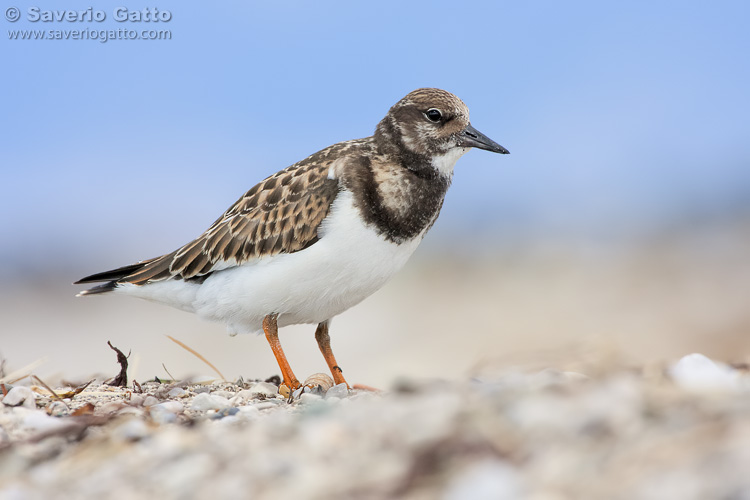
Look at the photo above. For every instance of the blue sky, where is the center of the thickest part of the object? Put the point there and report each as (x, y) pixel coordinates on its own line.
(617, 115)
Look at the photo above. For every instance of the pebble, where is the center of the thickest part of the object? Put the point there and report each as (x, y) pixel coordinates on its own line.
(265, 405)
(205, 402)
(111, 407)
(131, 429)
(698, 372)
(41, 422)
(177, 392)
(137, 400)
(165, 413)
(337, 391)
(308, 397)
(264, 388)
(249, 411)
(242, 396)
(226, 412)
(20, 395)
(57, 409)
(150, 401)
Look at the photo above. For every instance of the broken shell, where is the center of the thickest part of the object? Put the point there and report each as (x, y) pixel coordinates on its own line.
(284, 390)
(319, 379)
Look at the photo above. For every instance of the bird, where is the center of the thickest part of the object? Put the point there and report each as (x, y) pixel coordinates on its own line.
(318, 237)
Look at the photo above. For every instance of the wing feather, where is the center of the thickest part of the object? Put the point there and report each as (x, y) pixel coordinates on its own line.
(279, 215)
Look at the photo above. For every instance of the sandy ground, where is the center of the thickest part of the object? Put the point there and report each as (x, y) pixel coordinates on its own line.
(617, 433)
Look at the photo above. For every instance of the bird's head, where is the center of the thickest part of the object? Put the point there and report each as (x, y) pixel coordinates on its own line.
(433, 124)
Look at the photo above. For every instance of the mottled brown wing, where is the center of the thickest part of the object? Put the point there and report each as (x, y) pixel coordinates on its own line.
(279, 215)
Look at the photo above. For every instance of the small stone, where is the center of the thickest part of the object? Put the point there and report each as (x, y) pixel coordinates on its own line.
(150, 401)
(249, 411)
(205, 402)
(110, 408)
(697, 372)
(137, 400)
(177, 392)
(242, 396)
(20, 395)
(41, 422)
(337, 391)
(265, 405)
(132, 429)
(226, 412)
(224, 394)
(308, 397)
(57, 409)
(264, 388)
(164, 413)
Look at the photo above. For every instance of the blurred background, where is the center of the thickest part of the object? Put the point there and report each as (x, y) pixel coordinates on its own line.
(621, 220)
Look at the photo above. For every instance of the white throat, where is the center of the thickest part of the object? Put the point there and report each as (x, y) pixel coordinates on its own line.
(445, 163)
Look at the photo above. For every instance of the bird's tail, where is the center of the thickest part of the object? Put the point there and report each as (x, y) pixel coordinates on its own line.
(110, 278)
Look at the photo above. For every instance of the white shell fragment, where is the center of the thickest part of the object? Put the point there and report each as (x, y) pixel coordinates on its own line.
(698, 372)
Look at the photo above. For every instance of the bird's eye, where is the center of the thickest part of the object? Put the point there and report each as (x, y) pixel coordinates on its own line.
(434, 115)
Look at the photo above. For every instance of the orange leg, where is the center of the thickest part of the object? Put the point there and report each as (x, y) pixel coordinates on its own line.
(272, 335)
(324, 342)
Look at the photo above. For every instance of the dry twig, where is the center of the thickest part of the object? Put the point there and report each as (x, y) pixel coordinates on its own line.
(197, 355)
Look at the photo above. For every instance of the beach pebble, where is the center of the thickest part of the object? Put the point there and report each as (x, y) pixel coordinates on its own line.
(265, 405)
(131, 429)
(20, 396)
(177, 392)
(249, 411)
(110, 408)
(697, 372)
(308, 397)
(226, 412)
(150, 401)
(41, 422)
(164, 413)
(337, 391)
(57, 409)
(137, 400)
(205, 402)
(264, 388)
(242, 396)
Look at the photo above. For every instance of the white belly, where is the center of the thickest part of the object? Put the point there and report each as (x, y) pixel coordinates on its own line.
(347, 264)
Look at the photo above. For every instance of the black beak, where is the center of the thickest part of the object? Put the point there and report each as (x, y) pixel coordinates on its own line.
(473, 138)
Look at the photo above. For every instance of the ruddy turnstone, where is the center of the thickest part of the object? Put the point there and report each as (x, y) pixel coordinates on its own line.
(318, 237)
